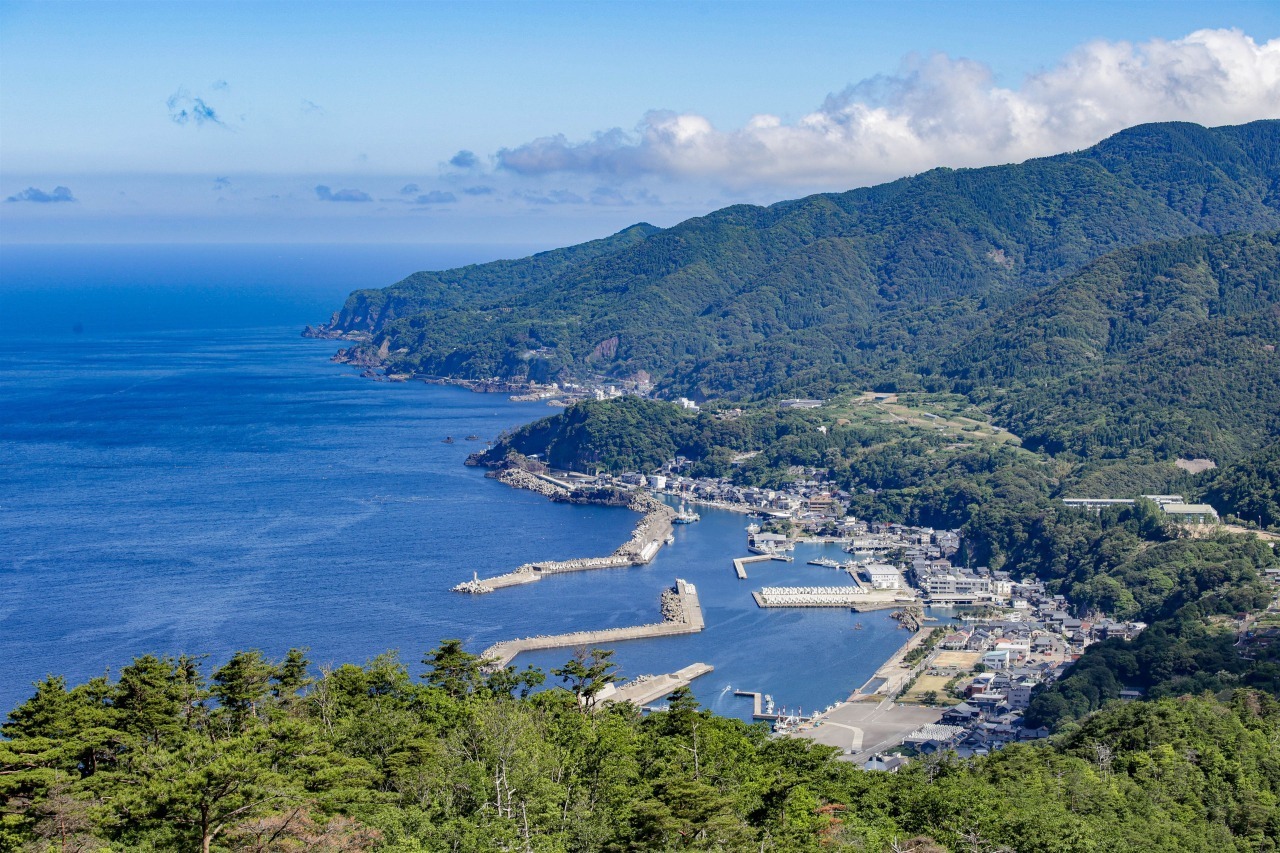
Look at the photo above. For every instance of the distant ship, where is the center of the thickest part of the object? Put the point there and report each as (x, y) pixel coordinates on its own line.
(825, 562)
(448, 439)
(473, 438)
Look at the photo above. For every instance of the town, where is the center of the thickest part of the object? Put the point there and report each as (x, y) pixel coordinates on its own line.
(982, 640)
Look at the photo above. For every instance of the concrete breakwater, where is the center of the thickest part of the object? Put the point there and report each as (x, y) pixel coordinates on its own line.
(651, 688)
(740, 564)
(681, 613)
(853, 597)
(648, 536)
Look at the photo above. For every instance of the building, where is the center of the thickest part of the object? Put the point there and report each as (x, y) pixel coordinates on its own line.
(883, 576)
(1181, 513)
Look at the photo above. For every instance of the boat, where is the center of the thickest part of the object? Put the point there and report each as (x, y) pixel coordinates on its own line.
(825, 562)
(473, 438)
(685, 516)
(448, 439)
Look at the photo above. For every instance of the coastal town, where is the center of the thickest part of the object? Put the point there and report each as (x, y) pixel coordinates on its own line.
(981, 642)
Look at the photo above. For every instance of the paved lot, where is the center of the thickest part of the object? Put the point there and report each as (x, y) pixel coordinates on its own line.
(863, 728)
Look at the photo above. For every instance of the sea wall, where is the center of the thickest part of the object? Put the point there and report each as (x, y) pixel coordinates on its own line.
(681, 612)
(647, 538)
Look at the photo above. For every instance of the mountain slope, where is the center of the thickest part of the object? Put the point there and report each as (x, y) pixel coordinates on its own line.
(1168, 348)
(806, 294)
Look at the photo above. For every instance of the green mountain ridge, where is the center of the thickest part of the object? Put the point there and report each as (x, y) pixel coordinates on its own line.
(806, 295)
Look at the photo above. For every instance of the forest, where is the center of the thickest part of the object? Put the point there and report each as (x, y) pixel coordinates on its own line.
(262, 755)
(861, 287)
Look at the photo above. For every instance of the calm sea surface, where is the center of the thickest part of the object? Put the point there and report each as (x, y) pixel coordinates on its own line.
(180, 472)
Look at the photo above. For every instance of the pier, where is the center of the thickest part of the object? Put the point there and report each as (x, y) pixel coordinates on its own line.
(853, 597)
(680, 607)
(648, 537)
(651, 688)
(740, 564)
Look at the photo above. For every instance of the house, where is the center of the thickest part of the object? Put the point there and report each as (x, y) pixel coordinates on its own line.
(996, 659)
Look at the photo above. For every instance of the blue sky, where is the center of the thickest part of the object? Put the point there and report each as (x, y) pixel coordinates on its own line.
(551, 123)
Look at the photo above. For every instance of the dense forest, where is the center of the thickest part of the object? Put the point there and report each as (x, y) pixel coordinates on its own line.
(807, 295)
(268, 756)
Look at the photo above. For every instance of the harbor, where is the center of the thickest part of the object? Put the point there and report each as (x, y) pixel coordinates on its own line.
(681, 610)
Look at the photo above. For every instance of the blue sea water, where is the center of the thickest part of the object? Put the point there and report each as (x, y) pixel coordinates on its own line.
(180, 472)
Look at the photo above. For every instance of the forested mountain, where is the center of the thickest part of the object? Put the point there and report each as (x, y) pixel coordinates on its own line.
(1168, 349)
(808, 294)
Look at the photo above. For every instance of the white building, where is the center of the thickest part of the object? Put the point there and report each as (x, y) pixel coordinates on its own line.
(883, 576)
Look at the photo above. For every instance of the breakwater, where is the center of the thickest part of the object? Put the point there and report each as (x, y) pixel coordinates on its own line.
(853, 597)
(651, 531)
(740, 564)
(681, 614)
(650, 688)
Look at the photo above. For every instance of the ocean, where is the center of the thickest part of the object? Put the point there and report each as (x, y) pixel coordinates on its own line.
(181, 472)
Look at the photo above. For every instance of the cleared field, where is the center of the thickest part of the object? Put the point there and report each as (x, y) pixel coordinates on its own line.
(963, 661)
(923, 685)
(947, 413)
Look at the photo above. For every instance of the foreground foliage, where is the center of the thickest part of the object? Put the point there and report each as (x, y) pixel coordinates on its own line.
(264, 758)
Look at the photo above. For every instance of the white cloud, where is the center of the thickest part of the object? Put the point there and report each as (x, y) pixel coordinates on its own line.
(941, 111)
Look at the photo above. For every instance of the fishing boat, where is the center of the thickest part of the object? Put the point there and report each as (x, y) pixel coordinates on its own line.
(448, 439)
(473, 438)
(685, 516)
(825, 562)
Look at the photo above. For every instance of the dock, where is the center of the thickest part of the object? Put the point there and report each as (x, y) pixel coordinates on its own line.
(853, 597)
(680, 606)
(646, 689)
(757, 706)
(740, 564)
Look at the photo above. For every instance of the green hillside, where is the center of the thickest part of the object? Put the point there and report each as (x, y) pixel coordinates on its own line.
(1167, 349)
(809, 294)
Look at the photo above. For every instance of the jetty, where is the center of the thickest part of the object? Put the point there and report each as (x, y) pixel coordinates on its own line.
(854, 597)
(681, 611)
(650, 533)
(650, 688)
(740, 564)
